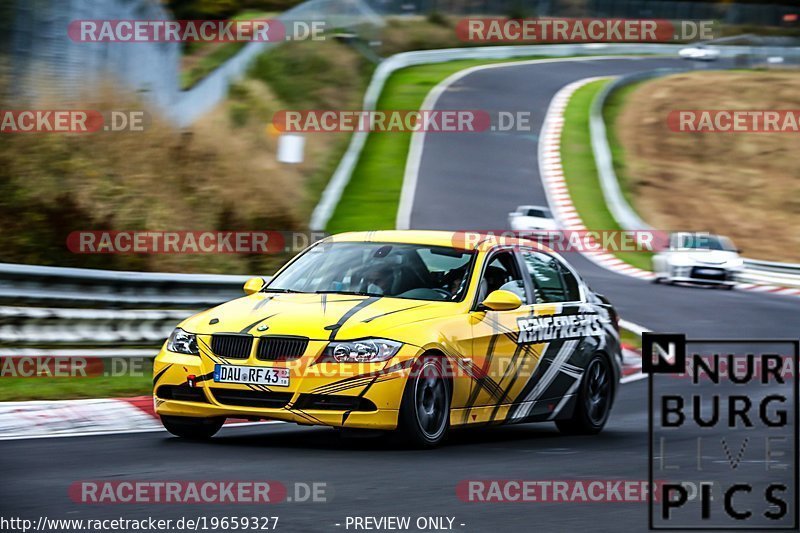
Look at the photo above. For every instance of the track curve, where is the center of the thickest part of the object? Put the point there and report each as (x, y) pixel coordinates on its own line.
(471, 181)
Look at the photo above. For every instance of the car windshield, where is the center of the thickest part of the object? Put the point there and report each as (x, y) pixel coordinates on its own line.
(706, 242)
(538, 212)
(412, 271)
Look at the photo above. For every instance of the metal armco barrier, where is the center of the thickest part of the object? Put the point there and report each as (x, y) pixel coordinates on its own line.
(79, 311)
(82, 287)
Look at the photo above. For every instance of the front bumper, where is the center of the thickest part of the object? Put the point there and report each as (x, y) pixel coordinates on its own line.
(699, 281)
(703, 275)
(365, 395)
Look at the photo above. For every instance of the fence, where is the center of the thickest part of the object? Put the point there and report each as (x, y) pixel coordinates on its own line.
(47, 64)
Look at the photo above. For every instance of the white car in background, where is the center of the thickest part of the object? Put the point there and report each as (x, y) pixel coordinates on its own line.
(532, 218)
(700, 258)
(699, 53)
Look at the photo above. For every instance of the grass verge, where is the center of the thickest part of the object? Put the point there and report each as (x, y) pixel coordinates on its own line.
(580, 171)
(629, 338)
(137, 382)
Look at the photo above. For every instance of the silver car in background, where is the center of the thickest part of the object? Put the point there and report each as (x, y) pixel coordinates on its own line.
(532, 218)
(700, 258)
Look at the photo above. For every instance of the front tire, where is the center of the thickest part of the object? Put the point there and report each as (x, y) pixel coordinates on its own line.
(595, 396)
(192, 428)
(424, 418)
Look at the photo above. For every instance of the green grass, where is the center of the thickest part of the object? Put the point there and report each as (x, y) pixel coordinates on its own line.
(209, 63)
(139, 383)
(628, 338)
(580, 171)
(371, 197)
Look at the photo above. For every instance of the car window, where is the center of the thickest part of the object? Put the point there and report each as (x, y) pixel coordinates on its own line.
(502, 273)
(702, 241)
(539, 213)
(397, 270)
(551, 280)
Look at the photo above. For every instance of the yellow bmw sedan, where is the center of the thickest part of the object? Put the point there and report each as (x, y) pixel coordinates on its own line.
(413, 331)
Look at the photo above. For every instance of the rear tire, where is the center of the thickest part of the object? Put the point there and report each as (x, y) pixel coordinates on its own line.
(424, 418)
(595, 396)
(192, 428)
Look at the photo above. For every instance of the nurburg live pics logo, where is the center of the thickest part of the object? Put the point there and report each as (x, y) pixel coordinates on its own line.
(723, 442)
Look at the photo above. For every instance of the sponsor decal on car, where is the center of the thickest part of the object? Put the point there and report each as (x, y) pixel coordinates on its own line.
(545, 328)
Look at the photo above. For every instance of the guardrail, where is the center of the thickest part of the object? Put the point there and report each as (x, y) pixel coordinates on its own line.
(114, 311)
(755, 271)
(767, 272)
(83, 287)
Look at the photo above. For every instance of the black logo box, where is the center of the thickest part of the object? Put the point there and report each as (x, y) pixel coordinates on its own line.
(653, 362)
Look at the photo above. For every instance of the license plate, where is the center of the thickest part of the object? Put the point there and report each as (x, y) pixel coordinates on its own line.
(708, 272)
(251, 375)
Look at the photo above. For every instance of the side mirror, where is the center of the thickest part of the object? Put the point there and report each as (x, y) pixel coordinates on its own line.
(501, 300)
(253, 285)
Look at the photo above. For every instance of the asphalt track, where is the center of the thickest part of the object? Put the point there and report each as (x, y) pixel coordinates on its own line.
(463, 183)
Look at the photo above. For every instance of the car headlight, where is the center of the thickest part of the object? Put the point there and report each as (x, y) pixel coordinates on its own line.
(361, 351)
(183, 342)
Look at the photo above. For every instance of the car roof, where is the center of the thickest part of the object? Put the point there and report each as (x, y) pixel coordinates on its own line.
(467, 240)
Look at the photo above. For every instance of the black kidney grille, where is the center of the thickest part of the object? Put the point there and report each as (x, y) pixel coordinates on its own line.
(232, 346)
(281, 348)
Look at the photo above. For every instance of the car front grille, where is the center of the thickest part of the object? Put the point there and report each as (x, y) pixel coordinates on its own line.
(251, 398)
(231, 346)
(274, 348)
(709, 273)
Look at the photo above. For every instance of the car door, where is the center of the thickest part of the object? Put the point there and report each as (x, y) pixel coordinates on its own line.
(560, 326)
(499, 363)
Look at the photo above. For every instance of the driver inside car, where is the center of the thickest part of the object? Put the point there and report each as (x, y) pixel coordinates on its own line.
(379, 279)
